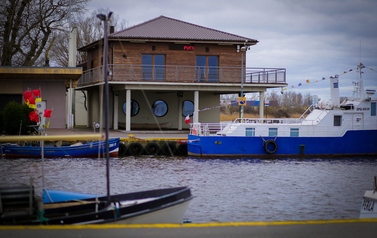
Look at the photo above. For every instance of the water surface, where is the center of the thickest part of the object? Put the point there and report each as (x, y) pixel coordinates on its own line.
(225, 190)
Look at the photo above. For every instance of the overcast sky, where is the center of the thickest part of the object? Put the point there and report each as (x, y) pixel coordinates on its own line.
(312, 39)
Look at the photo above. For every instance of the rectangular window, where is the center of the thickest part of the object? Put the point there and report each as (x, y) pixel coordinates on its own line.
(153, 67)
(272, 131)
(212, 68)
(337, 120)
(207, 68)
(294, 132)
(250, 131)
(373, 109)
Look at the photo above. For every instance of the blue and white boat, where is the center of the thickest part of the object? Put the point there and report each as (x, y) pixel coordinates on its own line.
(92, 149)
(329, 128)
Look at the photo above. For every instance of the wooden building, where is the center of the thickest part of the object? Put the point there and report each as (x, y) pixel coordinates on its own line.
(52, 81)
(164, 69)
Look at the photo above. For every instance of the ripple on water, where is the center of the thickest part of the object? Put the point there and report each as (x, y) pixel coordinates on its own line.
(225, 190)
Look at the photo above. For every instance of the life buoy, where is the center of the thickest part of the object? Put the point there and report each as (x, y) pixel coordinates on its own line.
(266, 145)
(182, 149)
(169, 149)
(194, 131)
(135, 149)
(122, 150)
(152, 149)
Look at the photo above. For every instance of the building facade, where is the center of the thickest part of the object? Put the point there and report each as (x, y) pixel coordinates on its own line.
(163, 70)
(52, 82)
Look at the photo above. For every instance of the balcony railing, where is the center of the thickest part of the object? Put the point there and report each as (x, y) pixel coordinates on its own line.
(190, 74)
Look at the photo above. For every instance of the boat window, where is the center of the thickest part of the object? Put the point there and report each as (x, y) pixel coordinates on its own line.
(134, 108)
(373, 109)
(187, 108)
(272, 131)
(337, 120)
(159, 108)
(250, 131)
(294, 132)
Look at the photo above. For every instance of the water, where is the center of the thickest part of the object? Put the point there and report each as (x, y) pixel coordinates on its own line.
(225, 190)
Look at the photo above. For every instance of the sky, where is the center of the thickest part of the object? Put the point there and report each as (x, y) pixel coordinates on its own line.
(311, 39)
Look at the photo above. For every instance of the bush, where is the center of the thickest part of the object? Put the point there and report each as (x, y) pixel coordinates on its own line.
(13, 115)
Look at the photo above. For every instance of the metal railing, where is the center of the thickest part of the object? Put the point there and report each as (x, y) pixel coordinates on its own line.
(176, 73)
(311, 127)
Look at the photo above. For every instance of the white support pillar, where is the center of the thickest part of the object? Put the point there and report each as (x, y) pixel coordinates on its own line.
(116, 97)
(128, 110)
(179, 113)
(261, 104)
(196, 107)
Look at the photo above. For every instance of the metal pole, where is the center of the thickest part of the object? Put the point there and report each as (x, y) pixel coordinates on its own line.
(43, 165)
(105, 20)
(241, 84)
(107, 113)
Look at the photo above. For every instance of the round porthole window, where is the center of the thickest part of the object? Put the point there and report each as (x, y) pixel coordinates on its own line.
(159, 108)
(134, 108)
(187, 108)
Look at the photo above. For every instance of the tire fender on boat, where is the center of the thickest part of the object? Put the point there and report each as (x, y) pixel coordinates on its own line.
(135, 149)
(152, 149)
(182, 149)
(122, 150)
(265, 146)
(166, 151)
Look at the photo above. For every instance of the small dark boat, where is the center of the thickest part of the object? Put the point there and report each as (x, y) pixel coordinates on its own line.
(19, 206)
(91, 149)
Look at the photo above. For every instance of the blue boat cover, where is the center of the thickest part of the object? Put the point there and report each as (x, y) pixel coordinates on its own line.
(61, 196)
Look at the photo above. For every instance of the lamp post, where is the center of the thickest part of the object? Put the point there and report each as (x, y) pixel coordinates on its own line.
(243, 49)
(105, 20)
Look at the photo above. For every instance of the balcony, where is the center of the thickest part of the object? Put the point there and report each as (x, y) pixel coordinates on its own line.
(183, 74)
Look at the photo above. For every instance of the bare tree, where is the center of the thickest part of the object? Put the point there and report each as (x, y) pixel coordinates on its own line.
(308, 100)
(89, 29)
(26, 27)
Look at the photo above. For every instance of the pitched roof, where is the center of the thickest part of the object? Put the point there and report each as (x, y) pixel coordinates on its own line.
(165, 28)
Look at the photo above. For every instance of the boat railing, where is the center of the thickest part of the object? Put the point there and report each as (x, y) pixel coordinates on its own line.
(308, 110)
(223, 128)
(207, 129)
(269, 120)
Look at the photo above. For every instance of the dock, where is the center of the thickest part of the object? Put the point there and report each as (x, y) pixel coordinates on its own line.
(292, 229)
(150, 142)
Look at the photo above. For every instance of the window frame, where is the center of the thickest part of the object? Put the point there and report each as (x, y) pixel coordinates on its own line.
(206, 72)
(273, 131)
(153, 71)
(373, 109)
(183, 104)
(295, 132)
(337, 120)
(153, 108)
(132, 103)
(250, 131)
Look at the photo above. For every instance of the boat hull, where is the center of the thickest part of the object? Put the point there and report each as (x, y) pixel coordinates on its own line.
(361, 142)
(153, 206)
(85, 150)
